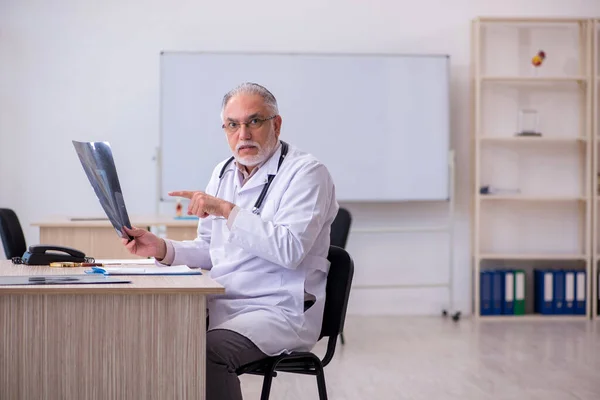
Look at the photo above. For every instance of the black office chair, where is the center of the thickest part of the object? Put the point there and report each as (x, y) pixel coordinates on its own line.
(339, 282)
(340, 229)
(11, 234)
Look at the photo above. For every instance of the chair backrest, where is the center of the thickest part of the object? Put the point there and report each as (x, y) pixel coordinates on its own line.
(339, 282)
(11, 234)
(340, 228)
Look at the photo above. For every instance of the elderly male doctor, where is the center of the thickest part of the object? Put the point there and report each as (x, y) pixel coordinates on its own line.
(270, 255)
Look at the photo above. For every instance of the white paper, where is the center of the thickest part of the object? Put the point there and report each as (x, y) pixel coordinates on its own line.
(581, 286)
(548, 286)
(178, 269)
(509, 285)
(131, 261)
(520, 290)
(570, 286)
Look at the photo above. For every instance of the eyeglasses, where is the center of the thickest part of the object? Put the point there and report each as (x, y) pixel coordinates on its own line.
(254, 123)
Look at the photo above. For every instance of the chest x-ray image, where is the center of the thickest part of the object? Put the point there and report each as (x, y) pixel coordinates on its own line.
(99, 166)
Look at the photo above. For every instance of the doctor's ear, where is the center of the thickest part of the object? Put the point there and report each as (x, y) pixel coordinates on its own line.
(277, 121)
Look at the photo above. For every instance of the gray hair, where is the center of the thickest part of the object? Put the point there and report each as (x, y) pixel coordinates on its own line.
(251, 88)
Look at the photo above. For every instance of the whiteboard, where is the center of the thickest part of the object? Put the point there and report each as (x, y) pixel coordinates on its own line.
(380, 123)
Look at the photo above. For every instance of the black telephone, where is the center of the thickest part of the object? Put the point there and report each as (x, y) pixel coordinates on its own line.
(45, 254)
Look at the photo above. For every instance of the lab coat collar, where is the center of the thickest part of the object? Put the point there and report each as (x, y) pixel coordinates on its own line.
(268, 168)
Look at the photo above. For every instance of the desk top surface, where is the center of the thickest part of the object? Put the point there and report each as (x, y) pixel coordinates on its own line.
(163, 284)
(95, 222)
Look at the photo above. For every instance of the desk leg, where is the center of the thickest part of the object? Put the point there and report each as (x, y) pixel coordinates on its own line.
(144, 346)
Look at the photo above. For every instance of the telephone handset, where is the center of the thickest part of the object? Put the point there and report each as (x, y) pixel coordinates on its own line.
(45, 254)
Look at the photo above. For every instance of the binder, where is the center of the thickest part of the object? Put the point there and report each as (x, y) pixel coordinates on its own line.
(508, 306)
(569, 292)
(544, 294)
(519, 303)
(497, 292)
(580, 293)
(559, 292)
(485, 293)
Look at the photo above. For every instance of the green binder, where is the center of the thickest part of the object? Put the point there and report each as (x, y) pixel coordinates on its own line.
(519, 308)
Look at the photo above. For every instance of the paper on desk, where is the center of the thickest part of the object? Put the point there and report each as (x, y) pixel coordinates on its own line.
(136, 261)
(175, 270)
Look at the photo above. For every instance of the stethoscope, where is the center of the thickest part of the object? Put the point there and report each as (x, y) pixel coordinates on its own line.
(263, 193)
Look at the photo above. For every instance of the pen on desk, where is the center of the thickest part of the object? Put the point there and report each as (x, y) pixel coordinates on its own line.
(63, 264)
(74, 264)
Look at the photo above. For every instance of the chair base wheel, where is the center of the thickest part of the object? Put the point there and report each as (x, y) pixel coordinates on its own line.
(455, 316)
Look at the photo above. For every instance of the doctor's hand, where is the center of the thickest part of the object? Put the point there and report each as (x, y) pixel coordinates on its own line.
(203, 205)
(145, 244)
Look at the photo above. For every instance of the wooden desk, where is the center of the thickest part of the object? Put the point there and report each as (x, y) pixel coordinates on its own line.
(98, 238)
(142, 340)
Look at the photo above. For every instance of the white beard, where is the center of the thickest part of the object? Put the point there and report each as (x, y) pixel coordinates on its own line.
(263, 152)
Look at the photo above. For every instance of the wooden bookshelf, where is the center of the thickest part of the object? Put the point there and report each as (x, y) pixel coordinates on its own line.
(546, 185)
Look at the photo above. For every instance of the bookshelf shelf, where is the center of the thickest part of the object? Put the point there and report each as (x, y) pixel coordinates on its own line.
(499, 197)
(532, 257)
(533, 317)
(527, 21)
(543, 216)
(543, 139)
(534, 79)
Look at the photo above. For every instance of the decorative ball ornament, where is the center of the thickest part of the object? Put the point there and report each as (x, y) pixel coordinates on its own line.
(538, 59)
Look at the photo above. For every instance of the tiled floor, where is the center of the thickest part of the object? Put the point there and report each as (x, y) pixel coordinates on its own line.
(435, 359)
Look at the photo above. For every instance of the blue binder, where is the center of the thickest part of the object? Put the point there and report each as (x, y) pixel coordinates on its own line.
(485, 293)
(508, 306)
(580, 293)
(559, 292)
(497, 292)
(544, 291)
(570, 291)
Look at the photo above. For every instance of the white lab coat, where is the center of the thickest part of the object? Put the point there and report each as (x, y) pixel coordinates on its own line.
(268, 263)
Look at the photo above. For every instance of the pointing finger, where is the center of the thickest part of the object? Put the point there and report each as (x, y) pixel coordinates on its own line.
(182, 193)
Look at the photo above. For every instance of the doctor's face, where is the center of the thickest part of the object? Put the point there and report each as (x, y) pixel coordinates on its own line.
(252, 129)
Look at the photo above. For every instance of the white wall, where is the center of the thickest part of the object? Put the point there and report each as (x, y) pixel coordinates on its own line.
(89, 71)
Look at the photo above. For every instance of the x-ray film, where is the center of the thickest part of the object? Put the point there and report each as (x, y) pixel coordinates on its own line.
(99, 166)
